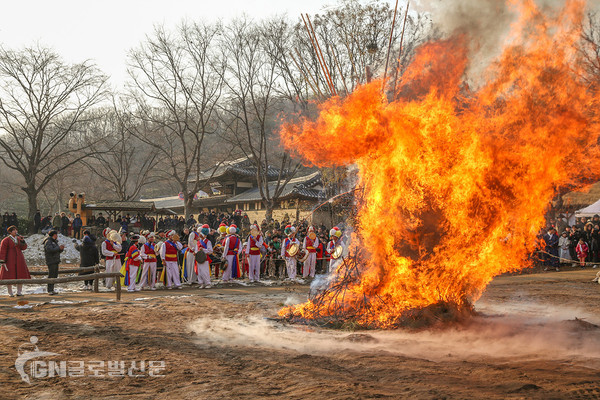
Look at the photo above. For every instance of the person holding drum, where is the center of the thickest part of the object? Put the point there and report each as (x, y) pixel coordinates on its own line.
(289, 250)
(253, 246)
(310, 244)
(202, 259)
(231, 251)
(334, 247)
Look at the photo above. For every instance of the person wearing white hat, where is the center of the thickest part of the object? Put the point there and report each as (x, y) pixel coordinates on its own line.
(188, 272)
(206, 246)
(290, 260)
(310, 244)
(252, 250)
(168, 253)
(335, 234)
(148, 254)
(231, 251)
(110, 251)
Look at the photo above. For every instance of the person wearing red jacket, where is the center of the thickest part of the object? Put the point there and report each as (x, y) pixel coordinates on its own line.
(582, 251)
(134, 258)
(310, 244)
(320, 251)
(12, 260)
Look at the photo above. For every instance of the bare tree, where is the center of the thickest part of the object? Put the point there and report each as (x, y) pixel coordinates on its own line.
(176, 83)
(43, 102)
(590, 48)
(250, 113)
(353, 35)
(125, 162)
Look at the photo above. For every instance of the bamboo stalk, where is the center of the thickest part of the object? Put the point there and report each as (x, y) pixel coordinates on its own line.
(319, 53)
(337, 62)
(316, 53)
(387, 57)
(400, 52)
(315, 91)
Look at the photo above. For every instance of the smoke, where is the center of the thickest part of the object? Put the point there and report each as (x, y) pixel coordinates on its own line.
(486, 22)
(545, 336)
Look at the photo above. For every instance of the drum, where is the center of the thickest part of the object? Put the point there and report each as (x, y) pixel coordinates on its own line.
(293, 249)
(337, 253)
(303, 255)
(312, 236)
(200, 257)
(218, 251)
(223, 265)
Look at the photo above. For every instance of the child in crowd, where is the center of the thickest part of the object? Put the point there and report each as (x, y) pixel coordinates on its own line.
(582, 250)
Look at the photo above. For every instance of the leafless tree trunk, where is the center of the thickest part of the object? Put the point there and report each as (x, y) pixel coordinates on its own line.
(176, 83)
(590, 48)
(43, 102)
(126, 163)
(250, 113)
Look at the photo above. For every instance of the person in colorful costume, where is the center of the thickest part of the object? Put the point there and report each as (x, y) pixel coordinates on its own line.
(110, 251)
(221, 241)
(203, 270)
(132, 265)
(188, 272)
(231, 251)
(253, 253)
(168, 254)
(310, 264)
(290, 261)
(334, 235)
(148, 254)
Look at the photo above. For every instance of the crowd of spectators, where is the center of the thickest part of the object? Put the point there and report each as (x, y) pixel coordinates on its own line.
(572, 244)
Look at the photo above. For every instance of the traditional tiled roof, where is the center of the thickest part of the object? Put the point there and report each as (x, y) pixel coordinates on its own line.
(109, 205)
(300, 187)
(166, 202)
(242, 166)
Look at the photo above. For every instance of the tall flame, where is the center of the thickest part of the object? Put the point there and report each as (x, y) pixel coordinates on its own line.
(456, 182)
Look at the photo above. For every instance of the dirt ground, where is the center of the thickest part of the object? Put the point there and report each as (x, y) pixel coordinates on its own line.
(218, 344)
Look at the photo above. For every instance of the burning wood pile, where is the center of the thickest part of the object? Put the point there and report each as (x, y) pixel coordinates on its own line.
(455, 177)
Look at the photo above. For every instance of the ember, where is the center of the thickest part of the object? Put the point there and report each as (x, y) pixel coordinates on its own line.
(455, 182)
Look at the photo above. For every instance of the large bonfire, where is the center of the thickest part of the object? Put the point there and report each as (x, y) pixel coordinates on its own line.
(454, 182)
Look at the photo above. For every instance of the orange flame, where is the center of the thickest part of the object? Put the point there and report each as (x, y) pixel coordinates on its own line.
(456, 182)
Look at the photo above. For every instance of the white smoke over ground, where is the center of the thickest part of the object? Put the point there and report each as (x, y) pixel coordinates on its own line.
(527, 331)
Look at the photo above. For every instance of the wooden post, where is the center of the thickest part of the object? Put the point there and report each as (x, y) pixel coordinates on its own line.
(66, 279)
(96, 270)
(118, 288)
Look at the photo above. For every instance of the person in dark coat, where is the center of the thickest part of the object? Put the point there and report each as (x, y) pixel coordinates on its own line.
(64, 224)
(14, 220)
(37, 221)
(52, 252)
(101, 221)
(77, 224)
(89, 255)
(125, 244)
(551, 240)
(12, 260)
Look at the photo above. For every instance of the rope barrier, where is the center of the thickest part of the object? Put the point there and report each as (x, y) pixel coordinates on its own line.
(566, 260)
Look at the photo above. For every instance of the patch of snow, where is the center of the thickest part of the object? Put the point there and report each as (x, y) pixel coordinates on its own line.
(34, 254)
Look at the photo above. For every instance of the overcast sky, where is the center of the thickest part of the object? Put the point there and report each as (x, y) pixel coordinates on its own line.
(105, 30)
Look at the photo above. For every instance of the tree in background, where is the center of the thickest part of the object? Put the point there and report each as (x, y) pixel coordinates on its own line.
(176, 84)
(125, 162)
(251, 113)
(43, 103)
